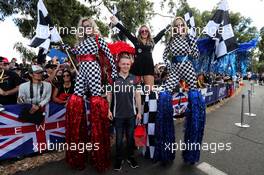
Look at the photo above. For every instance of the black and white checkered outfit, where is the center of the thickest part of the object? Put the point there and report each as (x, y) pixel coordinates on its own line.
(186, 72)
(181, 46)
(149, 119)
(89, 76)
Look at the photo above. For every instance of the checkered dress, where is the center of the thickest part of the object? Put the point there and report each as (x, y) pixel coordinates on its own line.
(181, 46)
(89, 77)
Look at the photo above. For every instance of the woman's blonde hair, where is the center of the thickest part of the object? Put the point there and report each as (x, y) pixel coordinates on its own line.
(174, 22)
(80, 35)
(150, 40)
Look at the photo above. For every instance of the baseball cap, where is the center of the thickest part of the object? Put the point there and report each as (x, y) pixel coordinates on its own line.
(4, 60)
(51, 66)
(35, 69)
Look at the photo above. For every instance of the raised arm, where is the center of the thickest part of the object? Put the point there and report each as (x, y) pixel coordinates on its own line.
(166, 54)
(194, 48)
(161, 34)
(74, 50)
(131, 37)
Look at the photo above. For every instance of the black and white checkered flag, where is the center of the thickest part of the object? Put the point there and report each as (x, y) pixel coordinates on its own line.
(220, 29)
(188, 17)
(45, 31)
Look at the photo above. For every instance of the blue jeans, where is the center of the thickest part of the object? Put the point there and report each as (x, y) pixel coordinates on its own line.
(127, 126)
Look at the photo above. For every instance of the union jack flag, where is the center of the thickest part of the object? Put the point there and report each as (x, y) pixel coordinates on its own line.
(179, 103)
(20, 139)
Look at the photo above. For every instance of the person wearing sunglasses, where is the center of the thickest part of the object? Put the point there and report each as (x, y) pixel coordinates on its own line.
(89, 80)
(62, 93)
(182, 47)
(144, 43)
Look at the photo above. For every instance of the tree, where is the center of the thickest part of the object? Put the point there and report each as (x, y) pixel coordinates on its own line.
(25, 53)
(261, 46)
(132, 13)
(67, 13)
(63, 14)
(260, 67)
(10, 7)
(241, 25)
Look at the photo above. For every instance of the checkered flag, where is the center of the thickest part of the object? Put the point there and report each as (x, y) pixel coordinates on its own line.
(188, 17)
(45, 32)
(220, 29)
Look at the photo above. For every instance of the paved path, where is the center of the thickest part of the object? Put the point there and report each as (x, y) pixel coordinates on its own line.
(246, 156)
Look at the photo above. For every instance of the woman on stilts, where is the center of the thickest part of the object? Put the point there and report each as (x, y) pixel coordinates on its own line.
(89, 80)
(182, 47)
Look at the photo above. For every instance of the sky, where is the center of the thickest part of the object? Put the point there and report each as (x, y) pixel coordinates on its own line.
(10, 34)
(252, 8)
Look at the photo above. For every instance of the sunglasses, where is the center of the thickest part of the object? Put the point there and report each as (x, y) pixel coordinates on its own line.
(144, 31)
(180, 25)
(66, 75)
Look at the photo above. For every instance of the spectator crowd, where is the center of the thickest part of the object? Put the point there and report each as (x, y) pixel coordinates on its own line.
(35, 84)
(15, 81)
